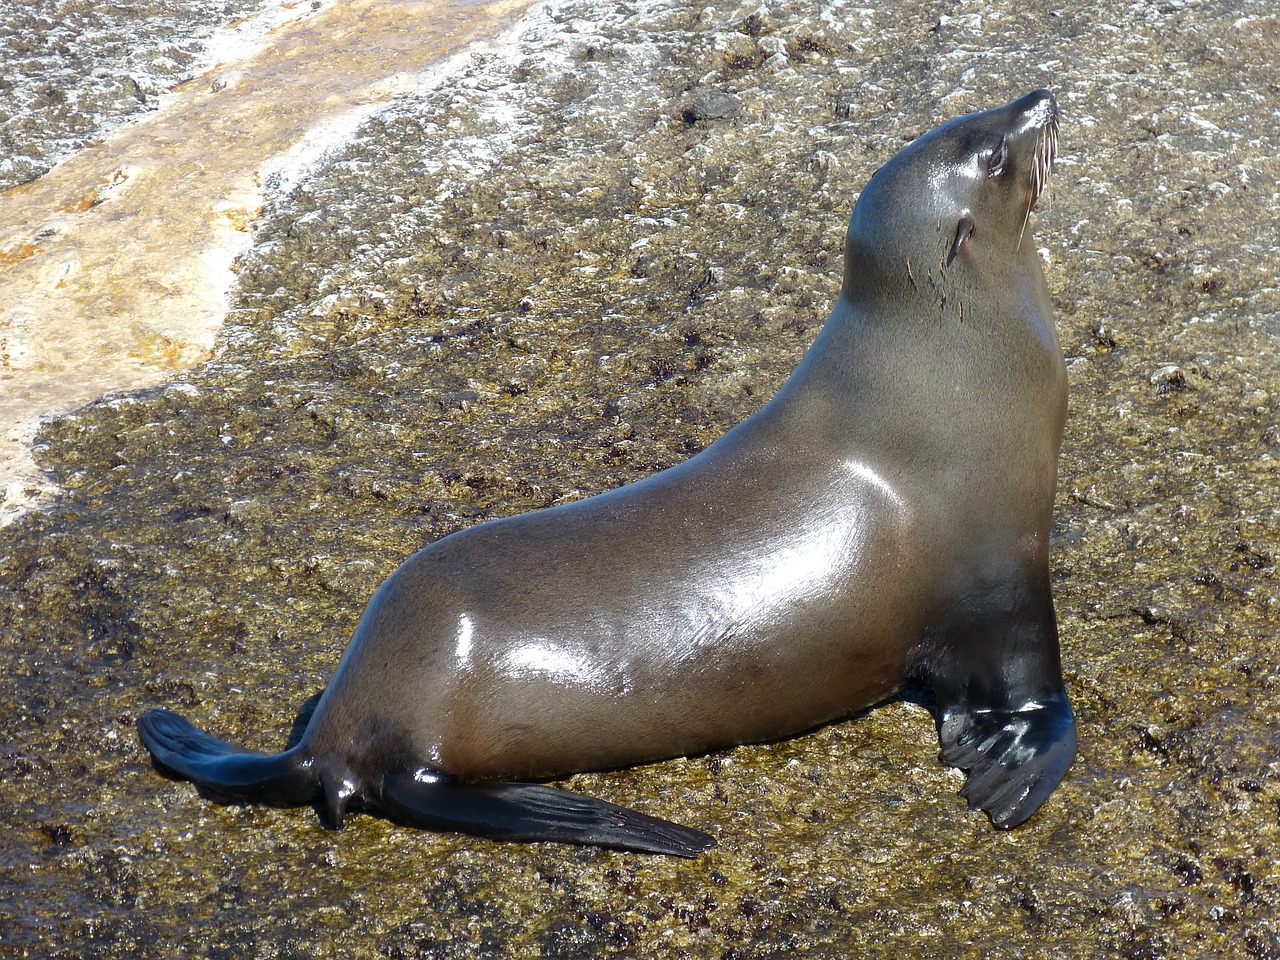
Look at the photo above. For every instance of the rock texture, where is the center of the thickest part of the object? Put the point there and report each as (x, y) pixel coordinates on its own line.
(540, 280)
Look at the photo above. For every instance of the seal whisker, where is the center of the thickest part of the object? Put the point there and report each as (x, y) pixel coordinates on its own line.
(1046, 149)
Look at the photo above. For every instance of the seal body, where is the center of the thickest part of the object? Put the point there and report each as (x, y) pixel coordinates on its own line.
(884, 517)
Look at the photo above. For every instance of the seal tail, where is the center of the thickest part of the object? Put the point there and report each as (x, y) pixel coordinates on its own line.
(178, 745)
(530, 811)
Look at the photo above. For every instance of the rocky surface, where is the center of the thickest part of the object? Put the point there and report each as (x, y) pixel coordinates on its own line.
(75, 67)
(570, 266)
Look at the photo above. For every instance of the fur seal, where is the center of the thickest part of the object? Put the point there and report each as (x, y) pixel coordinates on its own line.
(884, 517)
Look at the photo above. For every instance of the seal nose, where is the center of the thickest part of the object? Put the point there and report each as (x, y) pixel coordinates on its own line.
(1039, 107)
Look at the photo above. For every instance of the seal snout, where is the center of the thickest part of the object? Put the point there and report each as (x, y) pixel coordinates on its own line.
(1038, 108)
(1039, 112)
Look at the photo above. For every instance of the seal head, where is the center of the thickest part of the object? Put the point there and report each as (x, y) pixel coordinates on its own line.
(977, 176)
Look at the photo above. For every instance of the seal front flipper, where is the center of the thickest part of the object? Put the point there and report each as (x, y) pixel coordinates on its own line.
(180, 746)
(1003, 714)
(1015, 756)
(531, 811)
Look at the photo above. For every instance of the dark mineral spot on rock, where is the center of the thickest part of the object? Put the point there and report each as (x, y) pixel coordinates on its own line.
(712, 105)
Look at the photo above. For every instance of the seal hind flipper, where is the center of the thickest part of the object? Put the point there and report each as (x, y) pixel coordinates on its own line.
(1014, 757)
(180, 746)
(531, 811)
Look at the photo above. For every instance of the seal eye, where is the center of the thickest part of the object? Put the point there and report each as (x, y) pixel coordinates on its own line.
(996, 161)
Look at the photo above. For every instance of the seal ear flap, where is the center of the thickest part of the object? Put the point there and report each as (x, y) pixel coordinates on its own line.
(964, 230)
